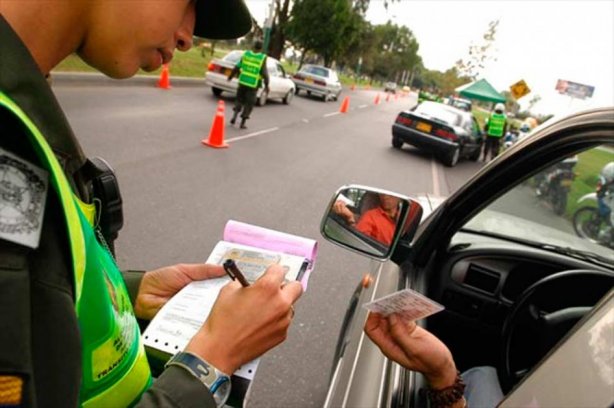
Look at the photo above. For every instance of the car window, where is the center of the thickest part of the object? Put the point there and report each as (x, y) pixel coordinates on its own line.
(320, 71)
(233, 56)
(567, 205)
(475, 125)
(271, 66)
(440, 112)
(281, 70)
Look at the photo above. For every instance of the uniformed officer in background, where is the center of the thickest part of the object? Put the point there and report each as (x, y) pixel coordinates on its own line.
(252, 73)
(495, 127)
(68, 316)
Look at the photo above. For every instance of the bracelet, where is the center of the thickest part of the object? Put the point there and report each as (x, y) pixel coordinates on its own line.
(449, 395)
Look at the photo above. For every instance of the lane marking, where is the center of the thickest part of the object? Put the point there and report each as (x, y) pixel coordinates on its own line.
(362, 106)
(261, 132)
(331, 114)
(435, 175)
(306, 120)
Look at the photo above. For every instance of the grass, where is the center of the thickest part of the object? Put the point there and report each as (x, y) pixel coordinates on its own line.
(587, 170)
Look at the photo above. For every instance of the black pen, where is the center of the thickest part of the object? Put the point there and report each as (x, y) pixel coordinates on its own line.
(233, 271)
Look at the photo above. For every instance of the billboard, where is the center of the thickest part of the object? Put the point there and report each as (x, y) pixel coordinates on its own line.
(574, 89)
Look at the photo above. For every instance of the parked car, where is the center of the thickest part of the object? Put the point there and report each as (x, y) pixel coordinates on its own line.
(280, 85)
(521, 291)
(442, 129)
(460, 103)
(319, 81)
(390, 87)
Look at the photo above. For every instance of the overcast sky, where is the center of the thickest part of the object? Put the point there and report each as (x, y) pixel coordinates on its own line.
(538, 41)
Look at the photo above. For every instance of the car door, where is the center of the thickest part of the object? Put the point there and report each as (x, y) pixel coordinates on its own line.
(274, 79)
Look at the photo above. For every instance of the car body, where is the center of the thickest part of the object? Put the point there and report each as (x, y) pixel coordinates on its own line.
(444, 130)
(280, 85)
(521, 291)
(390, 87)
(319, 81)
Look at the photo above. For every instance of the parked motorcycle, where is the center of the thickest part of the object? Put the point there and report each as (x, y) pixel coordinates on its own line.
(593, 219)
(554, 184)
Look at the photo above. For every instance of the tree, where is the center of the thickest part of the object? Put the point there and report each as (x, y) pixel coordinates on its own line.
(479, 54)
(278, 31)
(321, 26)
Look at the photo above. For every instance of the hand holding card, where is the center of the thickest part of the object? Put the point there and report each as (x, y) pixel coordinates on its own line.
(407, 303)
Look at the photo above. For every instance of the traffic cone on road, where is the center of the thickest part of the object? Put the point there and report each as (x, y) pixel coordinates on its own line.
(216, 133)
(376, 101)
(164, 81)
(387, 97)
(345, 105)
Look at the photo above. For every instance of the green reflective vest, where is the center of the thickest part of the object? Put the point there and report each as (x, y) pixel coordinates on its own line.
(114, 365)
(251, 64)
(496, 124)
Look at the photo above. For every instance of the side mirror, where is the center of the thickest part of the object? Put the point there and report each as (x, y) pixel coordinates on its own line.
(370, 221)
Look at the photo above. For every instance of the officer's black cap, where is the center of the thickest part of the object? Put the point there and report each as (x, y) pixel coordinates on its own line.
(222, 19)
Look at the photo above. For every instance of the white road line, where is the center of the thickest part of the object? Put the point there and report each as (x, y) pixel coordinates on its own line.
(306, 120)
(362, 106)
(331, 114)
(235, 139)
(435, 175)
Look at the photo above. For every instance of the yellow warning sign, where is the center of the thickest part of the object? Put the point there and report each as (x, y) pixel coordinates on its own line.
(520, 89)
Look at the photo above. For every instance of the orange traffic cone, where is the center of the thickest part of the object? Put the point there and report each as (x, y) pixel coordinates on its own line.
(387, 97)
(164, 81)
(376, 99)
(345, 105)
(216, 133)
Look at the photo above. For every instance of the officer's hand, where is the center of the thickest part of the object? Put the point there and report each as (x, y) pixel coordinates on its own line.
(247, 322)
(413, 347)
(157, 287)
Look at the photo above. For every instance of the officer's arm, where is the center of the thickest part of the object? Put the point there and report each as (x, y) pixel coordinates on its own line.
(235, 71)
(264, 73)
(176, 387)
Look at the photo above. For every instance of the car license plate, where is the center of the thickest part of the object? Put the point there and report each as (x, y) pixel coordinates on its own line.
(309, 80)
(566, 182)
(425, 127)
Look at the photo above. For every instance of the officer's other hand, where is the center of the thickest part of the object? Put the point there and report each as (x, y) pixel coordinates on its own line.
(157, 287)
(413, 347)
(247, 322)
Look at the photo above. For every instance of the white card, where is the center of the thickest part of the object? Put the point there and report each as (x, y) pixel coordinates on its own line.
(23, 191)
(407, 303)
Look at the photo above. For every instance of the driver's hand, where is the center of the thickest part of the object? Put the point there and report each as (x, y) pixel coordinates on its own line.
(340, 208)
(412, 347)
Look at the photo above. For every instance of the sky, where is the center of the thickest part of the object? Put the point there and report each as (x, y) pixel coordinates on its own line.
(538, 41)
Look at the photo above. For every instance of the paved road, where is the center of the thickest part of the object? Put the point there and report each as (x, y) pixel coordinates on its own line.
(178, 194)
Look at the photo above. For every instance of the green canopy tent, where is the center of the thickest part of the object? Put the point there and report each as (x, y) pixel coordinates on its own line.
(480, 90)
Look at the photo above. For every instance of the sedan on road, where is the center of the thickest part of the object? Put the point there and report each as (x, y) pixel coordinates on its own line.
(444, 130)
(318, 80)
(280, 85)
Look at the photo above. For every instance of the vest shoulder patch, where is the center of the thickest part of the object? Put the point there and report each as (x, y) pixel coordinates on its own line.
(23, 193)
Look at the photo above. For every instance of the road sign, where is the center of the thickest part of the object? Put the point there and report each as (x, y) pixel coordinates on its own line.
(520, 89)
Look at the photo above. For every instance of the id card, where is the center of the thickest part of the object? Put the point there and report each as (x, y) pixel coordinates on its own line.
(252, 263)
(407, 303)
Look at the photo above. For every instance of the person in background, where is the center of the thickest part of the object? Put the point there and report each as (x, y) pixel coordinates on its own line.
(252, 72)
(70, 335)
(495, 127)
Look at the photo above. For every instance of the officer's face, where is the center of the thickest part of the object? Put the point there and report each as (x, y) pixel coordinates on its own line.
(123, 36)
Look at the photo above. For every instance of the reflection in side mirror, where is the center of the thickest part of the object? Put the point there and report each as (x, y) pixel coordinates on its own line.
(369, 220)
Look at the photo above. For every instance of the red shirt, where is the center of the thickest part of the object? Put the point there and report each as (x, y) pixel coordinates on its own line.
(377, 224)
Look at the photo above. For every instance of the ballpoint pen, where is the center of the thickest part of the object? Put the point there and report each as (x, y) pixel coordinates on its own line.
(233, 271)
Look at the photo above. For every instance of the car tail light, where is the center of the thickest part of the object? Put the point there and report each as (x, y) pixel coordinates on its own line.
(446, 134)
(211, 66)
(297, 76)
(322, 83)
(403, 120)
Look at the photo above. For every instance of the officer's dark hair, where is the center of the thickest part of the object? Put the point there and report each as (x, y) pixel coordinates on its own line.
(258, 45)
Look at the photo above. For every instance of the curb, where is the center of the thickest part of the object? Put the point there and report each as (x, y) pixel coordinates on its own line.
(90, 79)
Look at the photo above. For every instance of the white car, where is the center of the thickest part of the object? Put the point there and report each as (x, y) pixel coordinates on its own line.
(319, 81)
(280, 85)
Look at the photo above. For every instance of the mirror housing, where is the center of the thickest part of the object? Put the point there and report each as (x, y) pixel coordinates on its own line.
(370, 221)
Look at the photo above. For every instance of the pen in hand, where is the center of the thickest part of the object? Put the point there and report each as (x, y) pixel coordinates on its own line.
(233, 271)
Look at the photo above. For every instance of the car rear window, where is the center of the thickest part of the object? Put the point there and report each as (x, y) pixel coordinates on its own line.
(323, 72)
(233, 56)
(439, 112)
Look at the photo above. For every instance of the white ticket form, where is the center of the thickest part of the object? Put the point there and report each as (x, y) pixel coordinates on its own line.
(407, 303)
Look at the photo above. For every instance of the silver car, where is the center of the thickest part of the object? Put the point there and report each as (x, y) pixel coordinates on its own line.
(280, 85)
(522, 291)
(319, 81)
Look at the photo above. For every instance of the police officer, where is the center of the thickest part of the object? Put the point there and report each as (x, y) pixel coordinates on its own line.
(252, 72)
(495, 127)
(69, 333)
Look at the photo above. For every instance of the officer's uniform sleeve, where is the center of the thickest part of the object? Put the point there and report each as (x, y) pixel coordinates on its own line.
(133, 279)
(177, 388)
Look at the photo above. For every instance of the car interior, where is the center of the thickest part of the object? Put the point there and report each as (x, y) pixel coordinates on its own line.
(508, 300)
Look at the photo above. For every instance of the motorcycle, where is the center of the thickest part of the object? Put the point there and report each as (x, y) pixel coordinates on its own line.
(554, 184)
(509, 139)
(593, 220)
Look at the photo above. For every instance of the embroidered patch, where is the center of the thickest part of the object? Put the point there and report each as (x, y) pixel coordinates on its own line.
(11, 391)
(23, 190)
